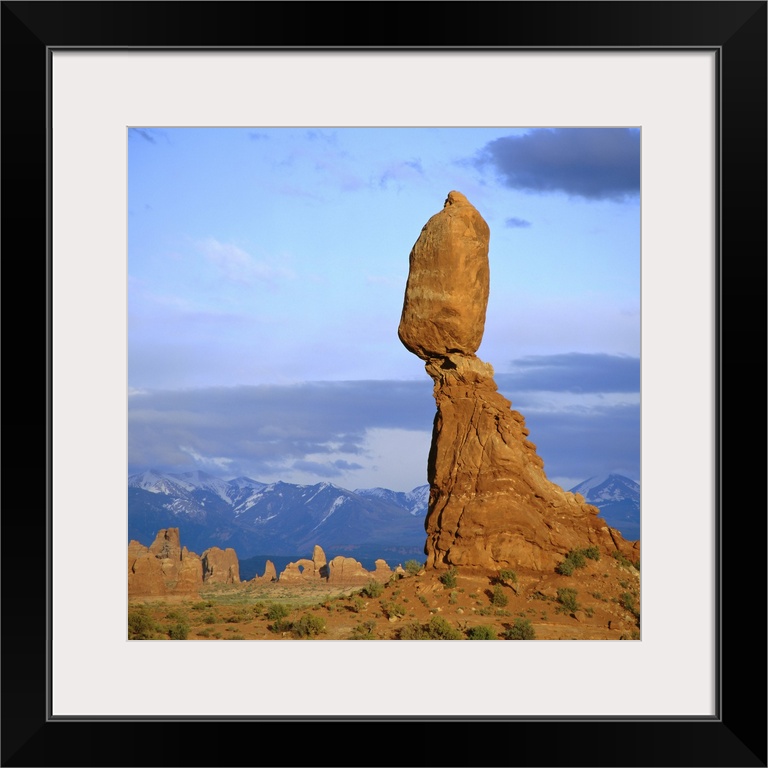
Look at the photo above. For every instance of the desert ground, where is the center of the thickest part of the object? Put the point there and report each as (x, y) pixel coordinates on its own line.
(599, 600)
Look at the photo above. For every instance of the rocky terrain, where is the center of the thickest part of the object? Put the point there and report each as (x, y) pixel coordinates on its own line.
(173, 597)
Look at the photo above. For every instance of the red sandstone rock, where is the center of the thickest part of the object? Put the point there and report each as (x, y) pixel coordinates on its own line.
(221, 566)
(347, 570)
(163, 567)
(447, 291)
(491, 504)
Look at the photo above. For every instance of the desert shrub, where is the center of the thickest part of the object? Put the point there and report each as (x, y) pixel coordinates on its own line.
(453, 597)
(623, 561)
(178, 631)
(363, 631)
(413, 631)
(308, 625)
(507, 576)
(522, 629)
(577, 558)
(203, 632)
(412, 567)
(627, 602)
(236, 636)
(590, 611)
(498, 596)
(209, 618)
(176, 616)
(423, 599)
(140, 625)
(567, 598)
(448, 578)
(372, 589)
(482, 632)
(437, 628)
(394, 610)
(357, 604)
(277, 611)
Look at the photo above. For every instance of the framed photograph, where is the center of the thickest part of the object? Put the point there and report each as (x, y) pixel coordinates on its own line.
(690, 77)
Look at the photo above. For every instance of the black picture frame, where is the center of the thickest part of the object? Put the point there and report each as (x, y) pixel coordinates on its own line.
(736, 736)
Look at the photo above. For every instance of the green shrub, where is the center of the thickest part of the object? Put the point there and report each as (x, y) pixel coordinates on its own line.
(413, 631)
(372, 589)
(498, 597)
(508, 577)
(209, 618)
(437, 628)
(140, 625)
(449, 578)
(277, 613)
(482, 632)
(309, 625)
(522, 629)
(453, 597)
(627, 602)
(623, 561)
(394, 610)
(363, 631)
(178, 631)
(577, 558)
(412, 567)
(567, 598)
(357, 604)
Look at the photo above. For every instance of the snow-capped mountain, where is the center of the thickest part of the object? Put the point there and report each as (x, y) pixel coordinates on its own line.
(414, 501)
(618, 499)
(277, 518)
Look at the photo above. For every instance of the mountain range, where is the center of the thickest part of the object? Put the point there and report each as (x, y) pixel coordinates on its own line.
(283, 519)
(618, 499)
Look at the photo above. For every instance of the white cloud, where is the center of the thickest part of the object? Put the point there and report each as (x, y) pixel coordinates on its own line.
(237, 265)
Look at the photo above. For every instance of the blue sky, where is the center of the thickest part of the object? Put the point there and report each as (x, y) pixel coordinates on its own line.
(266, 272)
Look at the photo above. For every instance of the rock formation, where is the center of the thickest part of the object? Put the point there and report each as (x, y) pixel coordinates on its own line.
(307, 570)
(221, 566)
(164, 567)
(491, 505)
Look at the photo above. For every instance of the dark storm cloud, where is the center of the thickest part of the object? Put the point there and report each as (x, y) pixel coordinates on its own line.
(593, 163)
(516, 223)
(586, 442)
(266, 431)
(573, 372)
(267, 426)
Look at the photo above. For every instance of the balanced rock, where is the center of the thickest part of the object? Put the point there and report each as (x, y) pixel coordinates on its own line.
(491, 505)
(448, 280)
(221, 566)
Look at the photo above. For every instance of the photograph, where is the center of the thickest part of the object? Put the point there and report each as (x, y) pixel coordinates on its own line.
(384, 341)
(291, 472)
